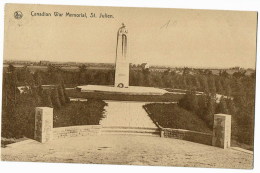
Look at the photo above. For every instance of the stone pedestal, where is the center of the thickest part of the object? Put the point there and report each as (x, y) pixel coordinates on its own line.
(122, 74)
(221, 131)
(43, 124)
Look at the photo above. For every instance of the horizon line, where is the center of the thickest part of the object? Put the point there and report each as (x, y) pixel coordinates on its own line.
(171, 66)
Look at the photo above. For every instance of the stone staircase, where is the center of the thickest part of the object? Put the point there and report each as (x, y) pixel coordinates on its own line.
(131, 131)
(127, 118)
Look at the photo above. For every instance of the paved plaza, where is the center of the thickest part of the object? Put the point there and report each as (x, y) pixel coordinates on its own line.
(131, 150)
(116, 146)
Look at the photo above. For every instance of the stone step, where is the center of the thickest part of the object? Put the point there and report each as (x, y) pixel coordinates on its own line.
(129, 128)
(130, 131)
(125, 133)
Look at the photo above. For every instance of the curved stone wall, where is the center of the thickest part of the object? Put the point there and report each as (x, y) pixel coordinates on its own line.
(188, 135)
(73, 131)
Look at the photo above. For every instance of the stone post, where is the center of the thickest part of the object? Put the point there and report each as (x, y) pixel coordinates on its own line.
(43, 124)
(221, 131)
(161, 133)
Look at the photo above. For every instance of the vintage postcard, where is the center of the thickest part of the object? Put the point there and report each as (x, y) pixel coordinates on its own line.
(129, 86)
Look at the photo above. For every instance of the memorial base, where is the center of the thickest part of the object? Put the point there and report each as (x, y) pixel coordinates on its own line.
(131, 90)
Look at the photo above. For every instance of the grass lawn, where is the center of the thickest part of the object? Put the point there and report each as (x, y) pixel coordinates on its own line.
(79, 113)
(173, 116)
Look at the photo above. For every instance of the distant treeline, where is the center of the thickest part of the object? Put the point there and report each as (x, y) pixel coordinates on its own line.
(202, 80)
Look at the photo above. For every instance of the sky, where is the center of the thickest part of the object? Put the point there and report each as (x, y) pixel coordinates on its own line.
(169, 37)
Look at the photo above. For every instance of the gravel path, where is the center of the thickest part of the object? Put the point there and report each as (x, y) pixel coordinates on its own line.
(131, 150)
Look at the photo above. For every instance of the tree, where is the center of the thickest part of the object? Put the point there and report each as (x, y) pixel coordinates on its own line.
(228, 91)
(38, 78)
(194, 102)
(47, 101)
(202, 106)
(140, 79)
(204, 84)
(245, 124)
(82, 68)
(239, 74)
(184, 82)
(185, 101)
(231, 106)
(10, 90)
(222, 106)
(239, 94)
(167, 79)
(36, 93)
(11, 68)
(186, 71)
(67, 99)
(223, 74)
(196, 83)
(54, 74)
(190, 101)
(212, 84)
(61, 95)
(219, 86)
(132, 78)
(55, 98)
(209, 116)
(253, 75)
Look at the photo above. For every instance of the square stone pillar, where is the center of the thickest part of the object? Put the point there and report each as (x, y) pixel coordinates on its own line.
(161, 133)
(43, 124)
(221, 131)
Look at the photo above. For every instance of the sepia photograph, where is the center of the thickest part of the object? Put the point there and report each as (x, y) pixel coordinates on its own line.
(129, 86)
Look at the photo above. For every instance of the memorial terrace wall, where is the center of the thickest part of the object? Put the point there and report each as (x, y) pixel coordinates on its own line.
(73, 131)
(45, 132)
(188, 135)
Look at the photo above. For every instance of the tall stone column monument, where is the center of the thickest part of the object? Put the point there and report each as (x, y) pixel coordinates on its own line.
(122, 63)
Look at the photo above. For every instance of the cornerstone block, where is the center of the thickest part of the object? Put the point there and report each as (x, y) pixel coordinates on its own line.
(221, 131)
(43, 124)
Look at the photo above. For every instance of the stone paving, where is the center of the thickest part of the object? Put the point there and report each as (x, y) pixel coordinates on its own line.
(126, 114)
(131, 150)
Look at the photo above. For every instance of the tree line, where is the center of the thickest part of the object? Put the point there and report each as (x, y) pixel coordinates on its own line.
(238, 89)
(240, 107)
(18, 109)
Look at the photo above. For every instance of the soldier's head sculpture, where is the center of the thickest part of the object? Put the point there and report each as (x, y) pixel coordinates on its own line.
(122, 30)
